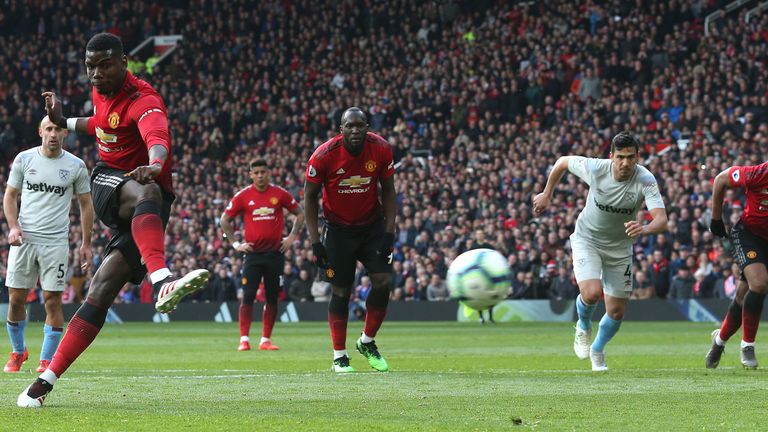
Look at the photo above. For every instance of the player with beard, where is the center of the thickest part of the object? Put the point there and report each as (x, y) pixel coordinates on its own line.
(261, 205)
(132, 194)
(348, 169)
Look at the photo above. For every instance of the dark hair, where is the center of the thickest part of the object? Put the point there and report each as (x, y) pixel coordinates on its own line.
(623, 140)
(105, 42)
(257, 163)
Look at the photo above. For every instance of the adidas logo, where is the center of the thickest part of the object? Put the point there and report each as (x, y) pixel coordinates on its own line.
(340, 171)
(251, 203)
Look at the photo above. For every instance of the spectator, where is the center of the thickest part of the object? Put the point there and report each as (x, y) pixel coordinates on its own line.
(562, 286)
(642, 288)
(682, 284)
(301, 288)
(321, 291)
(660, 274)
(362, 290)
(437, 290)
(221, 287)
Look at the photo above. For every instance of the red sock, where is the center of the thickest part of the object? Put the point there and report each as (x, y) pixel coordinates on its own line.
(245, 317)
(338, 325)
(79, 336)
(750, 323)
(268, 316)
(373, 318)
(753, 310)
(731, 322)
(149, 235)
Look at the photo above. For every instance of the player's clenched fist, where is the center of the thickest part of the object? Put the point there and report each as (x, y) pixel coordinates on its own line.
(633, 229)
(321, 255)
(540, 203)
(387, 245)
(717, 227)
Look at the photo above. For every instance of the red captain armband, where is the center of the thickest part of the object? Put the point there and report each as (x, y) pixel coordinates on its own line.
(157, 161)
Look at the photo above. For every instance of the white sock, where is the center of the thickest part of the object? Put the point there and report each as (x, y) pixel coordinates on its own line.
(719, 341)
(49, 376)
(747, 344)
(365, 338)
(339, 353)
(159, 275)
(245, 339)
(263, 339)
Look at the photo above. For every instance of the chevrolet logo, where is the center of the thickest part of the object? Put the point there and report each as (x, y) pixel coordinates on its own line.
(355, 181)
(263, 211)
(105, 137)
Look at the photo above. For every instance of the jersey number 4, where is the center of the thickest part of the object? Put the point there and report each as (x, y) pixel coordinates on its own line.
(628, 271)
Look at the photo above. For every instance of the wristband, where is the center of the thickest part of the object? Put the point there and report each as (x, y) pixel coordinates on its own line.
(72, 124)
(157, 161)
(236, 244)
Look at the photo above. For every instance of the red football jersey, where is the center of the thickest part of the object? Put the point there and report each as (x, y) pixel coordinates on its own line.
(350, 192)
(128, 124)
(754, 180)
(262, 215)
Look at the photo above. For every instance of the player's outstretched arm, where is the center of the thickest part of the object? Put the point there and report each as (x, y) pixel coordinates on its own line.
(53, 111)
(11, 210)
(541, 201)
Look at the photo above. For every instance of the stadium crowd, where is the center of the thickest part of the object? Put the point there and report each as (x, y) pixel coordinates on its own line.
(477, 97)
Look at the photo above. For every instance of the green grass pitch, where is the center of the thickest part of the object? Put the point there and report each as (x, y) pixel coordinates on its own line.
(444, 376)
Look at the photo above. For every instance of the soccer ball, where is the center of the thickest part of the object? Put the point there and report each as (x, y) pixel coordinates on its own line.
(479, 278)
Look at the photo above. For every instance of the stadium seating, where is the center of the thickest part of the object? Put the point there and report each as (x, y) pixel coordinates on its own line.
(478, 99)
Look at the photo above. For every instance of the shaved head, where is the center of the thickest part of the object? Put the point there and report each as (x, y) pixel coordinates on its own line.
(353, 112)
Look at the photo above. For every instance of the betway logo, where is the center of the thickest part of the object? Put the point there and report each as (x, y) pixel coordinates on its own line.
(45, 187)
(612, 209)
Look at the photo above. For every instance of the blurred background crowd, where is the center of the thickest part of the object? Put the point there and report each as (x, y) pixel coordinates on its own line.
(477, 97)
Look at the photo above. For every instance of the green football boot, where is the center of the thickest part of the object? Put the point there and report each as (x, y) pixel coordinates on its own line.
(371, 353)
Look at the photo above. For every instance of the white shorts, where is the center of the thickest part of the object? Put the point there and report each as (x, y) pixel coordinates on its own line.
(612, 266)
(29, 261)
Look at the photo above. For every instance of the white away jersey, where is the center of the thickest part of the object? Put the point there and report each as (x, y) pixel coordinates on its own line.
(611, 203)
(46, 187)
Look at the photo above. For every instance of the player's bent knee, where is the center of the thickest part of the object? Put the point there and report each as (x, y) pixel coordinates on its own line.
(761, 287)
(341, 291)
(17, 297)
(381, 281)
(134, 192)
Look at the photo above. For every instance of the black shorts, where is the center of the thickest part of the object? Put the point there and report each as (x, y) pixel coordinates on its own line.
(347, 245)
(748, 248)
(105, 184)
(268, 265)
